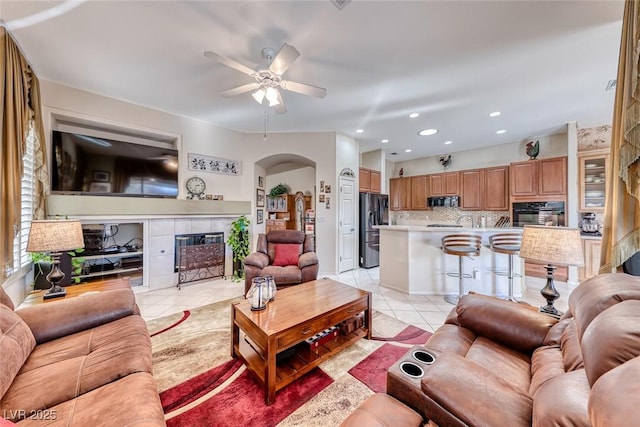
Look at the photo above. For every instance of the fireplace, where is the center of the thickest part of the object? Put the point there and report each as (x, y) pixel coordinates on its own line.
(199, 256)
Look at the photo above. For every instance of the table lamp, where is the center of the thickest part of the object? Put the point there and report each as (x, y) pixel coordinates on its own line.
(552, 246)
(55, 237)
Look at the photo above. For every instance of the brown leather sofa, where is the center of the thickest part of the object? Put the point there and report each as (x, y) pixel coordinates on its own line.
(498, 363)
(260, 263)
(83, 361)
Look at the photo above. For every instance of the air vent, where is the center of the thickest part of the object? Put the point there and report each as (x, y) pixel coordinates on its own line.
(394, 153)
(611, 85)
(340, 4)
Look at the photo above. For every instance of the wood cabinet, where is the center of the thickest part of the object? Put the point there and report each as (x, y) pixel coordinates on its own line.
(591, 250)
(471, 189)
(419, 192)
(533, 178)
(496, 188)
(444, 184)
(592, 172)
(540, 270)
(285, 212)
(400, 193)
(370, 181)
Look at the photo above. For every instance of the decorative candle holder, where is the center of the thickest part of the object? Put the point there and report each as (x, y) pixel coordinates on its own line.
(258, 294)
(271, 285)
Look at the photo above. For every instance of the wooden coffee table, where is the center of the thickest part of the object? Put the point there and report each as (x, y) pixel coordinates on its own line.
(297, 313)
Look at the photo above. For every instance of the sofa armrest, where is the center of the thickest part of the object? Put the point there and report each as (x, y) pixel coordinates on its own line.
(257, 259)
(307, 259)
(517, 326)
(60, 318)
(464, 390)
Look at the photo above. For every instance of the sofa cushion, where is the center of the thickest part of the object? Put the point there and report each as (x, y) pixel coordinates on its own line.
(286, 254)
(611, 339)
(382, 410)
(614, 397)
(16, 344)
(130, 401)
(5, 300)
(65, 368)
(546, 363)
(562, 401)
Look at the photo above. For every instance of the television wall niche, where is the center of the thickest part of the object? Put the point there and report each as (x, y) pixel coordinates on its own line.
(83, 164)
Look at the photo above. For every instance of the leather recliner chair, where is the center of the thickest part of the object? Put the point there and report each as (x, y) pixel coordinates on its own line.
(287, 255)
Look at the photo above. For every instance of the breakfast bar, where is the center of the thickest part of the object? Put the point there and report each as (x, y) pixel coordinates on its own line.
(411, 261)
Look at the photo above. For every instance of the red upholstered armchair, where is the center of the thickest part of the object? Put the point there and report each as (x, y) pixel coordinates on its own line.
(287, 255)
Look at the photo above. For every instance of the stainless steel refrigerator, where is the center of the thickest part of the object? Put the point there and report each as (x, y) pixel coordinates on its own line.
(374, 210)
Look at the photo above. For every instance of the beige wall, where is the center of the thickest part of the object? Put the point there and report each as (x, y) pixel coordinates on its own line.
(203, 138)
(297, 178)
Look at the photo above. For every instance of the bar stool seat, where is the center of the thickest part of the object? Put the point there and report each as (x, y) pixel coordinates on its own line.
(460, 245)
(509, 244)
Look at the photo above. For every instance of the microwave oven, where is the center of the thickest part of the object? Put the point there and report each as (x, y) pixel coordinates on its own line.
(538, 213)
(447, 201)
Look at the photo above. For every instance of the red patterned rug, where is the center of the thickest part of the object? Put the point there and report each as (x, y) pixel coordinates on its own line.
(201, 385)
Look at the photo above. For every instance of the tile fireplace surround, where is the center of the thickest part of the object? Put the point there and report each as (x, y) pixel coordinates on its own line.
(161, 220)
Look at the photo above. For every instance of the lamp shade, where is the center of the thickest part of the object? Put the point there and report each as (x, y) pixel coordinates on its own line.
(55, 236)
(552, 245)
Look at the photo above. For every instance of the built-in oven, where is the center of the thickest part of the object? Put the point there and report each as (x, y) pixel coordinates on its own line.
(538, 213)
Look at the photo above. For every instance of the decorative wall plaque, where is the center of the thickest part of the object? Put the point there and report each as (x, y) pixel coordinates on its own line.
(200, 162)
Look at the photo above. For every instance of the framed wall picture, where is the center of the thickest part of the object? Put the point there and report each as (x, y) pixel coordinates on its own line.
(322, 186)
(260, 198)
(100, 187)
(259, 216)
(101, 176)
(328, 202)
(321, 198)
(327, 189)
(261, 181)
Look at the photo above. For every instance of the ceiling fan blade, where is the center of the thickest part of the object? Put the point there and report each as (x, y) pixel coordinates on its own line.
(283, 59)
(240, 90)
(230, 63)
(280, 108)
(304, 89)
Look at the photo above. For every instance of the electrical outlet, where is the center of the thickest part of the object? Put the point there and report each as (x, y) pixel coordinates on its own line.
(476, 273)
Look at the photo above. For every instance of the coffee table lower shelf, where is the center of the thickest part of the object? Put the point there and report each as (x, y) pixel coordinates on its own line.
(292, 367)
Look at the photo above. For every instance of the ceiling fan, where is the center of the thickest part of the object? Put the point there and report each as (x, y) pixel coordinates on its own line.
(269, 77)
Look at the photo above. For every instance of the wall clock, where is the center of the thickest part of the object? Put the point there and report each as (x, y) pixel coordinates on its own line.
(195, 187)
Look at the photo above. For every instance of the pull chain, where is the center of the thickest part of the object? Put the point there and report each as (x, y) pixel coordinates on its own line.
(264, 137)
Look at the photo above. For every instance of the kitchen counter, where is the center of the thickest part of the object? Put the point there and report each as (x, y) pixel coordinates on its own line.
(411, 261)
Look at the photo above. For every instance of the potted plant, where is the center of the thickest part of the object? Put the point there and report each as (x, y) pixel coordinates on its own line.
(279, 190)
(70, 264)
(238, 241)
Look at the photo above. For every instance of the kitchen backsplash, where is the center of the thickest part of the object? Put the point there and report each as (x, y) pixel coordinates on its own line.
(444, 215)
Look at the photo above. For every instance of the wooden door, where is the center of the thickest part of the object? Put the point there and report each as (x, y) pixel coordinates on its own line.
(496, 188)
(524, 178)
(436, 185)
(419, 192)
(472, 186)
(552, 175)
(376, 184)
(365, 180)
(451, 184)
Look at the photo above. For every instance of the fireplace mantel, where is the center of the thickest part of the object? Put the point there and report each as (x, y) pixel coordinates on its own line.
(101, 206)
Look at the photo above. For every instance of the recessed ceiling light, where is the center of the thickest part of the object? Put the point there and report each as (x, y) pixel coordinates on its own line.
(408, 150)
(448, 142)
(384, 141)
(413, 115)
(427, 132)
(495, 114)
(500, 131)
(359, 131)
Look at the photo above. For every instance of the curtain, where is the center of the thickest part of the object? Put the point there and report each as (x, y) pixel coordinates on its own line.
(20, 98)
(621, 232)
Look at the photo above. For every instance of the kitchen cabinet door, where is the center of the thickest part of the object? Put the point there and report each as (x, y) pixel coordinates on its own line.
(591, 249)
(365, 180)
(552, 176)
(436, 185)
(376, 183)
(524, 178)
(472, 185)
(400, 193)
(419, 193)
(592, 172)
(451, 184)
(496, 188)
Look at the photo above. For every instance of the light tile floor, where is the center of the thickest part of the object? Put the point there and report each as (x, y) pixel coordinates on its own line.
(426, 312)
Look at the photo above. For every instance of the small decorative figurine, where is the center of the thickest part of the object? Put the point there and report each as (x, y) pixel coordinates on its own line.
(445, 161)
(401, 172)
(533, 149)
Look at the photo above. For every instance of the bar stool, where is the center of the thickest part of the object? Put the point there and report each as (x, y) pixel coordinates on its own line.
(507, 243)
(460, 245)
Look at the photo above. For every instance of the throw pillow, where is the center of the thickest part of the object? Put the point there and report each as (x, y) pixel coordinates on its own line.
(286, 254)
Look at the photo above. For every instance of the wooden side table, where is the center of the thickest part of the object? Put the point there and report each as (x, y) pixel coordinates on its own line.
(35, 297)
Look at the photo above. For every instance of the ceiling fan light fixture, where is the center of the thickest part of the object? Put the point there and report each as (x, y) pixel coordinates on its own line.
(259, 95)
(272, 96)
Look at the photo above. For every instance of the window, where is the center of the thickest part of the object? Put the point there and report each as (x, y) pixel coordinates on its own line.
(20, 257)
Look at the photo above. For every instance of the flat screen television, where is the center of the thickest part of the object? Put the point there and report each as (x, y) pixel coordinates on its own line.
(83, 164)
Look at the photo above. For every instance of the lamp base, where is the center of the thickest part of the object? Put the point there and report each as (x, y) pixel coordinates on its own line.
(550, 293)
(56, 291)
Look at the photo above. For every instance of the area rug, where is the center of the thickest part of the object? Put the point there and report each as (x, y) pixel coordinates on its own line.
(201, 385)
